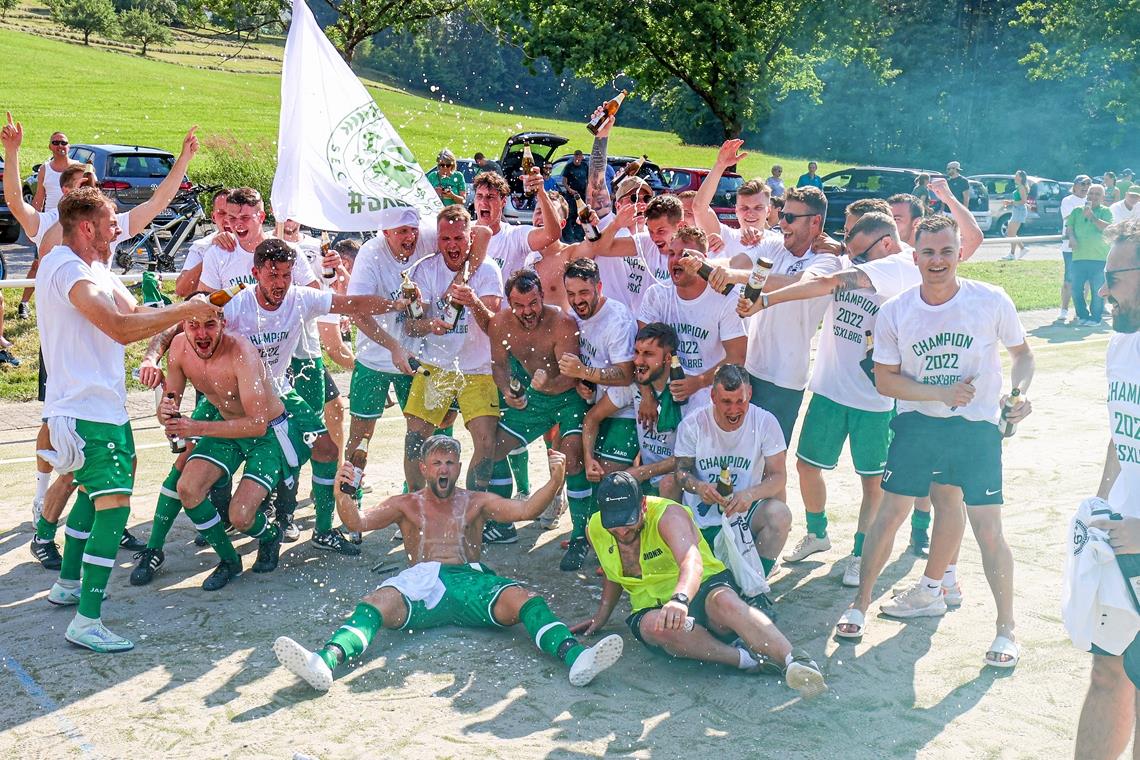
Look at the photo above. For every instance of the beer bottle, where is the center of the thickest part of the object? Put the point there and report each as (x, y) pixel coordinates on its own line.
(222, 297)
(357, 459)
(757, 278)
(177, 442)
(706, 271)
(724, 483)
(453, 312)
(527, 164)
(591, 229)
(408, 291)
(676, 372)
(609, 108)
(867, 363)
(1009, 428)
(327, 272)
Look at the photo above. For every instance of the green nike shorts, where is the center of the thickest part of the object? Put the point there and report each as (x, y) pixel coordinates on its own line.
(542, 412)
(617, 440)
(108, 458)
(827, 424)
(469, 593)
(368, 393)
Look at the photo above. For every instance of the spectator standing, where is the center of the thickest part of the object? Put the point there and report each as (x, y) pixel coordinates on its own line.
(811, 178)
(1074, 200)
(1125, 182)
(548, 182)
(487, 165)
(1090, 250)
(448, 183)
(776, 181)
(1018, 212)
(576, 174)
(1112, 192)
(922, 192)
(1128, 207)
(959, 185)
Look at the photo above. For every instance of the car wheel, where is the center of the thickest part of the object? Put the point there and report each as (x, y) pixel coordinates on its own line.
(28, 195)
(1001, 226)
(10, 234)
(124, 257)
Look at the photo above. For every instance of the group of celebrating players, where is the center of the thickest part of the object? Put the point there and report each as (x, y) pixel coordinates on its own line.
(664, 361)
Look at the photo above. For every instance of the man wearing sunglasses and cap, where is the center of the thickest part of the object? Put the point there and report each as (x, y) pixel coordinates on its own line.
(685, 602)
(1074, 200)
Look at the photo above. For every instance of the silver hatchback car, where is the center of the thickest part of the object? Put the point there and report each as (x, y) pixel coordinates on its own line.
(1043, 206)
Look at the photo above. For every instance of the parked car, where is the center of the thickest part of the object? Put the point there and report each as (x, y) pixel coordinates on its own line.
(468, 169)
(128, 174)
(1043, 206)
(846, 186)
(9, 227)
(519, 208)
(679, 180)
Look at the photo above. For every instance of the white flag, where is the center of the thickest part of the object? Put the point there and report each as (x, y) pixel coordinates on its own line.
(339, 161)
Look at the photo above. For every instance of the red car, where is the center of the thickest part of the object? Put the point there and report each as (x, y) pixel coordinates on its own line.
(678, 180)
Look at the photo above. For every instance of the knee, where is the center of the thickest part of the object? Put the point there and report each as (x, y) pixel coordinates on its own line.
(324, 450)
(190, 493)
(390, 603)
(665, 638)
(1108, 674)
(806, 470)
(413, 444)
(989, 535)
(777, 516)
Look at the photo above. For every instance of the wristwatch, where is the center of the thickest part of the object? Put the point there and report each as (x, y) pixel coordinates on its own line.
(763, 300)
(679, 597)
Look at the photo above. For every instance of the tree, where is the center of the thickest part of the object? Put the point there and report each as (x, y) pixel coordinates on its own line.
(7, 5)
(1096, 42)
(143, 27)
(360, 20)
(735, 55)
(87, 16)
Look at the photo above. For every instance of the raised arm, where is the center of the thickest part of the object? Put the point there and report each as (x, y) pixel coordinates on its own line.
(967, 226)
(126, 328)
(387, 512)
(508, 510)
(12, 135)
(728, 155)
(813, 285)
(597, 194)
(609, 244)
(540, 237)
(142, 214)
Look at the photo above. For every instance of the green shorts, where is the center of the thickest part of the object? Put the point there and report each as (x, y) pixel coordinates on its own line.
(710, 532)
(308, 377)
(783, 403)
(264, 461)
(469, 594)
(368, 393)
(617, 440)
(542, 412)
(952, 451)
(204, 411)
(828, 423)
(305, 425)
(108, 458)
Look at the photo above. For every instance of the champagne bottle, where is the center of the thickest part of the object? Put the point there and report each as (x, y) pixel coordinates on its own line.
(515, 388)
(724, 483)
(867, 363)
(756, 280)
(676, 372)
(609, 108)
(357, 459)
(408, 291)
(706, 271)
(527, 164)
(222, 297)
(327, 272)
(1009, 428)
(584, 212)
(177, 442)
(453, 312)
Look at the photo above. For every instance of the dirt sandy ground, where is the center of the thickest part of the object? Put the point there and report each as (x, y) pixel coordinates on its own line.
(203, 682)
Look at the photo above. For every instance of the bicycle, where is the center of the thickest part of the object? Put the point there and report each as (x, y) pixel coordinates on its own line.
(148, 247)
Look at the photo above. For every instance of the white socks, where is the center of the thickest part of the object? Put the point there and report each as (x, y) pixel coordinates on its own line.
(746, 659)
(42, 481)
(931, 586)
(951, 578)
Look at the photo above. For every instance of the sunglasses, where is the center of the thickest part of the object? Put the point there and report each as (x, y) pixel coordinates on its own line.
(59, 142)
(1110, 275)
(789, 217)
(862, 257)
(643, 198)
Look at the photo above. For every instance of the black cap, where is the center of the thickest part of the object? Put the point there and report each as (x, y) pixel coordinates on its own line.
(619, 500)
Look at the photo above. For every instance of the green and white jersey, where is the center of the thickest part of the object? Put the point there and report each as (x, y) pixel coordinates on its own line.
(466, 344)
(626, 279)
(1122, 366)
(606, 339)
(743, 451)
(223, 269)
(951, 342)
(655, 446)
(842, 340)
(277, 332)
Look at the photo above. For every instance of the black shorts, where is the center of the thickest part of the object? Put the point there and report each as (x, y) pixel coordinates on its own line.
(696, 607)
(952, 450)
(331, 391)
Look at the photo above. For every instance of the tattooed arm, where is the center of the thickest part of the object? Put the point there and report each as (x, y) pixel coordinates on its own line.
(597, 195)
(690, 480)
(813, 285)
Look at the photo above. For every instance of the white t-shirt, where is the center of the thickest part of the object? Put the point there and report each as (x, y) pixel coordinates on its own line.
(655, 446)
(945, 344)
(842, 341)
(377, 273)
(276, 333)
(49, 219)
(194, 253)
(466, 344)
(1068, 203)
(703, 324)
(768, 247)
(742, 451)
(309, 346)
(1121, 213)
(85, 367)
(779, 337)
(606, 339)
(627, 278)
(509, 247)
(1122, 366)
(222, 268)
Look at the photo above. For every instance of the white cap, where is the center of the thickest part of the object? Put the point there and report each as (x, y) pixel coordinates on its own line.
(399, 216)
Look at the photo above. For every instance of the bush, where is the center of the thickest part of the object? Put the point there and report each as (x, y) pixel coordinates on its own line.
(230, 162)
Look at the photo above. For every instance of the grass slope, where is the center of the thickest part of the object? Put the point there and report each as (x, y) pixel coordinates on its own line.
(99, 95)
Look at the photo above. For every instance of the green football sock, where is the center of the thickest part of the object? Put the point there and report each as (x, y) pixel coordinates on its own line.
(166, 510)
(445, 431)
(520, 468)
(209, 524)
(580, 497)
(324, 475)
(817, 523)
(263, 529)
(99, 558)
(920, 521)
(353, 636)
(767, 564)
(548, 632)
(500, 482)
(45, 531)
(858, 551)
(75, 535)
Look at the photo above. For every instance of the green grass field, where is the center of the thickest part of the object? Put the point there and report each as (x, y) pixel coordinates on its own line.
(1031, 284)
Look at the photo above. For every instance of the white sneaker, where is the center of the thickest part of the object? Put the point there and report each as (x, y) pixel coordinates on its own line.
(1063, 315)
(595, 659)
(303, 663)
(803, 675)
(916, 601)
(952, 595)
(96, 637)
(554, 511)
(810, 544)
(851, 572)
(64, 596)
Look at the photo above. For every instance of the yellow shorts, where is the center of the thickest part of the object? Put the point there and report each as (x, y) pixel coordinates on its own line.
(478, 398)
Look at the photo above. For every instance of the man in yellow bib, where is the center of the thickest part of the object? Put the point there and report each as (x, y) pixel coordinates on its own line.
(684, 600)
